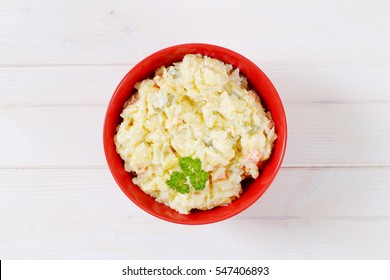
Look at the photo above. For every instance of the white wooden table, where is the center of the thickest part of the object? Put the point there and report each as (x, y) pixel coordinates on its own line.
(60, 61)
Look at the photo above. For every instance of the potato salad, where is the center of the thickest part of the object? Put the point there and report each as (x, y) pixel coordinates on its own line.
(193, 133)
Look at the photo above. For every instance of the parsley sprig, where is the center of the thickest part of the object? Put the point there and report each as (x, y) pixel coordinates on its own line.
(192, 169)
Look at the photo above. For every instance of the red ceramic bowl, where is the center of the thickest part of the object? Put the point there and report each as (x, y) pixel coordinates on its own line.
(252, 189)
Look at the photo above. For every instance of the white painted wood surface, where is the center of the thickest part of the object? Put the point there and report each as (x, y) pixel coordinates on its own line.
(61, 60)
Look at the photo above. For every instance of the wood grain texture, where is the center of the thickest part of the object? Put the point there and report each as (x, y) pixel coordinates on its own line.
(117, 32)
(296, 83)
(307, 213)
(59, 86)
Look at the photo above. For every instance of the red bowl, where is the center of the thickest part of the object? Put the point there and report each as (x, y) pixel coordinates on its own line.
(252, 189)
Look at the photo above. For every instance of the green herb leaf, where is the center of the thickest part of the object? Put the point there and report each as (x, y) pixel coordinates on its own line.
(191, 168)
(190, 165)
(178, 182)
(198, 180)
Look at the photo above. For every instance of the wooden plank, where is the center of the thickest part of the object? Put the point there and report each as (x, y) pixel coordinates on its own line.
(122, 32)
(338, 134)
(296, 83)
(306, 213)
(319, 135)
(50, 86)
(69, 136)
(335, 83)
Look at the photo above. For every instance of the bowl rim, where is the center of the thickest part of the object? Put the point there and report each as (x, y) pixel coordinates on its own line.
(214, 49)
